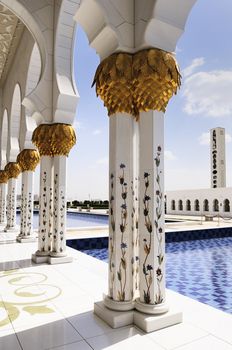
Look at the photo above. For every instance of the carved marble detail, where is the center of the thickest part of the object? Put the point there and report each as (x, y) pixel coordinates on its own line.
(10, 32)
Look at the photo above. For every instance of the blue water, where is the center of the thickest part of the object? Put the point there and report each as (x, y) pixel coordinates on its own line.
(75, 220)
(200, 269)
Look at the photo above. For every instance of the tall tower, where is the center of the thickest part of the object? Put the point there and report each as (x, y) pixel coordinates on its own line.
(218, 159)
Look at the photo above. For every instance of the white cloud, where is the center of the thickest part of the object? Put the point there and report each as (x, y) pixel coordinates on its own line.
(96, 132)
(197, 62)
(168, 155)
(208, 93)
(204, 139)
(103, 161)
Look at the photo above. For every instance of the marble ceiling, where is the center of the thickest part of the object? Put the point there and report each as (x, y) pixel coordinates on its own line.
(11, 29)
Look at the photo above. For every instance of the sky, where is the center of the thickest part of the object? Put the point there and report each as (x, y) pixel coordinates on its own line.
(204, 101)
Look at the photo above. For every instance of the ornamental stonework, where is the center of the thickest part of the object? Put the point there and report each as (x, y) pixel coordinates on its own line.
(28, 159)
(10, 32)
(54, 139)
(13, 170)
(3, 177)
(132, 83)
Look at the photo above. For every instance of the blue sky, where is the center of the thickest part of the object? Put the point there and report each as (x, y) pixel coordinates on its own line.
(204, 53)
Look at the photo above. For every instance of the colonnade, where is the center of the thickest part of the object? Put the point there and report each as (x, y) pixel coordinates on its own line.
(53, 142)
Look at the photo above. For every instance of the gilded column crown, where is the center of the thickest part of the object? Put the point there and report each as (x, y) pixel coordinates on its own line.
(28, 159)
(54, 139)
(3, 176)
(132, 83)
(13, 170)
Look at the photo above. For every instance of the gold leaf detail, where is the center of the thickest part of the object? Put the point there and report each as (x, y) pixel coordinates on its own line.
(28, 159)
(3, 176)
(54, 139)
(13, 170)
(132, 83)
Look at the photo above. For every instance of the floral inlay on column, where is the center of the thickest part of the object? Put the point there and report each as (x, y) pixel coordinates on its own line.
(111, 237)
(59, 217)
(147, 268)
(22, 219)
(122, 270)
(158, 227)
(43, 204)
(50, 219)
(3, 182)
(55, 212)
(8, 209)
(135, 234)
(62, 218)
(29, 214)
(13, 208)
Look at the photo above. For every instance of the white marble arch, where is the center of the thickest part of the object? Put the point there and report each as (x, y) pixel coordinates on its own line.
(133, 25)
(65, 94)
(4, 138)
(28, 122)
(14, 125)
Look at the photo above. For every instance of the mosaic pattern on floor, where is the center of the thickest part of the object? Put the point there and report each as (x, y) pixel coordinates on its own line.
(25, 292)
(200, 269)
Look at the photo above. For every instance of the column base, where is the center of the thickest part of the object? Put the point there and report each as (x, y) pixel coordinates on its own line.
(148, 323)
(11, 229)
(39, 259)
(114, 319)
(26, 239)
(40, 253)
(156, 309)
(57, 255)
(50, 260)
(151, 323)
(118, 305)
(59, 260)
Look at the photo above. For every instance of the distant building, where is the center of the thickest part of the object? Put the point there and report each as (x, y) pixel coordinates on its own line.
(210, 201)
(218, 157)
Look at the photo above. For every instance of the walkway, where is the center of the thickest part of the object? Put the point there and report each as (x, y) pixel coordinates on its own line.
(50, 307)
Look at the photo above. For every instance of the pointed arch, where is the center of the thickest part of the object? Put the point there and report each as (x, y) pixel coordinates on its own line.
(4, 139)
(14, 121)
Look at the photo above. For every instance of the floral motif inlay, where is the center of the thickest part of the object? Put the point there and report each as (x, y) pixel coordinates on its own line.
(135, 235)
(157, 229)
(122, 269)
(111, 237)
(2, 203)
(59, 217)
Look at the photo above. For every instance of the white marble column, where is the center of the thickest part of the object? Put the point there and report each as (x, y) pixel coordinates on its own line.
(59, 207)
(135, 210)
(151, 224)
(45, 208)
(3, 188)
(11, 205)
(27, 195)
(120, 294)
(22, 211)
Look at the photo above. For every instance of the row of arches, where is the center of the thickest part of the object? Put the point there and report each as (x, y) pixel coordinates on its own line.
(180, 205)
(16, 125)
